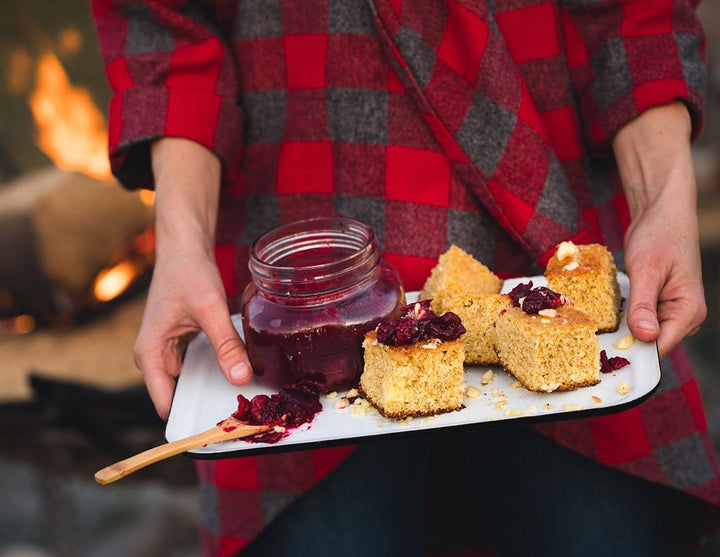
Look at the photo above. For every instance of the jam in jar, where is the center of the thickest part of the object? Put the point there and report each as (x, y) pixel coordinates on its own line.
(318, 285)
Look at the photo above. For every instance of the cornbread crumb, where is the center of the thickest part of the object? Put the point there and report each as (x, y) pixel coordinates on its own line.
(358, 411)
(570, 407)
(623, 388)
(591, 285)
(331, 395)
(512, 412)
(488, 377)
(516, 385)
(500, 403)
(548, 406)
(597, 399)
(532, 407)
(472, 392)
(352, 393)
(342, 403)
(625, 342)
(279, 429)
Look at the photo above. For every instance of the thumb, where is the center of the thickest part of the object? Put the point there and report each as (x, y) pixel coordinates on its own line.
(229, 348)
(642, 316)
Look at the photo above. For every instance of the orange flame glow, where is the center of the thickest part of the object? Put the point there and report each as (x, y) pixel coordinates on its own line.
(71, 129)
(112, 282)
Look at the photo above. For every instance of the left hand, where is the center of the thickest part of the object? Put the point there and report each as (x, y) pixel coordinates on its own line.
(662, 252)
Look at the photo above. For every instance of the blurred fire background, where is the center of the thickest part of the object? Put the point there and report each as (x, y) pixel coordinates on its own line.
(76, 252)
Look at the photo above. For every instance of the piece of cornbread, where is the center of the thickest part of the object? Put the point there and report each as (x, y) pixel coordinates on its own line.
(587, 275)
(420, 379)
(554, 350)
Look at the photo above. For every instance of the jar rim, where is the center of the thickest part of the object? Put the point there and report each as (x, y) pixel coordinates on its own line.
(351, 235)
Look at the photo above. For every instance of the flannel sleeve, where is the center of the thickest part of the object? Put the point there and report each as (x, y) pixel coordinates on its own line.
(626, 56)
(172, 75)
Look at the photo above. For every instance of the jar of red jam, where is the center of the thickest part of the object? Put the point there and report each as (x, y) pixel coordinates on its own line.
(318, 285)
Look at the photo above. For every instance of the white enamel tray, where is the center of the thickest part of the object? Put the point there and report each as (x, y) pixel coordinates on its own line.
(203, 397)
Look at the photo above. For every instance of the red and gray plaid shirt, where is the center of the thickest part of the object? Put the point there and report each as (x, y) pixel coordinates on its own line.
(481, 124)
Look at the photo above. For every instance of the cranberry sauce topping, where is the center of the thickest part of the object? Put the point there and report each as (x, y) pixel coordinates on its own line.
(611, 364)
(298, 403)
(532, 300)
(419, 322)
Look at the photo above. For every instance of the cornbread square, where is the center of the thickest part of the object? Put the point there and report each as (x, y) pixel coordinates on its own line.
(420, 379)
(477, 313)
(457, 271)
(559, 352)
(587, 275)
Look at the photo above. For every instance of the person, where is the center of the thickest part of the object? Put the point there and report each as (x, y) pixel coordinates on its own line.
(501, 127)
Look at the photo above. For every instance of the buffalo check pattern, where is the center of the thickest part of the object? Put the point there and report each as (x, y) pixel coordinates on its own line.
(476, 123)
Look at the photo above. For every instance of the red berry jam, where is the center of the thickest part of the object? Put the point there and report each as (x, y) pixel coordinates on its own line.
(418, 323)
(608, 365)
(292, 407)
(318, 286)
(532, 300)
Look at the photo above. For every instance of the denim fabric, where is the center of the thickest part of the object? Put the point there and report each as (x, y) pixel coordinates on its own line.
(536, 498)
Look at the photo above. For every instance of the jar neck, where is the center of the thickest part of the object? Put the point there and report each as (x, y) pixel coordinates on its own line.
(312, 258)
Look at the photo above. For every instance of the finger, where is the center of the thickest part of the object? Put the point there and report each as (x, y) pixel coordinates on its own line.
(642, 317)
(229, 348)
(679, 320)
(160, 375)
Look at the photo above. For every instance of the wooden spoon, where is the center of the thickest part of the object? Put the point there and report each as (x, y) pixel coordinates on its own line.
(228, 429)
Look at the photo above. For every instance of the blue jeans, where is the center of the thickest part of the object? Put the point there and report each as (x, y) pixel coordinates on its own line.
(532, 497)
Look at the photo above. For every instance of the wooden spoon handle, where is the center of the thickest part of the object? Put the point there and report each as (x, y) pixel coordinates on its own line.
(121, 469)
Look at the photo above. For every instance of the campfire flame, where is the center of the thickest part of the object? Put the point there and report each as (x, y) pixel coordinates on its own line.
(71, 129)
(110, 283)
(131, 264)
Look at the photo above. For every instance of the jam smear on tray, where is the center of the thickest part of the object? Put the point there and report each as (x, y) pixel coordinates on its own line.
(291, 407)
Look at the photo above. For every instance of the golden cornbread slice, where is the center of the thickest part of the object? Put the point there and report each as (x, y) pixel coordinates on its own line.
(477, 313)
(458, 272)
(588, 276)
(553, 351)
(420, 379)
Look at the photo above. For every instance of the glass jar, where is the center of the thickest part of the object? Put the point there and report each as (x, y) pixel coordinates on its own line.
(318, 285)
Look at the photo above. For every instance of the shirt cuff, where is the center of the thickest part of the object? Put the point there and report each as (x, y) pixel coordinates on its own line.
(140, 115)
(608, 122)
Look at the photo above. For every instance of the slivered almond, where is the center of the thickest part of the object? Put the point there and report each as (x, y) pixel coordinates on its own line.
(565, 250)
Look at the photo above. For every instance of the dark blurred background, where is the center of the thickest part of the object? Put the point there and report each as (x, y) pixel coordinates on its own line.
(71, 400)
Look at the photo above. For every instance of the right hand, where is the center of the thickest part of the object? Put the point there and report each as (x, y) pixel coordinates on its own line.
(186, 296)
(186, 293)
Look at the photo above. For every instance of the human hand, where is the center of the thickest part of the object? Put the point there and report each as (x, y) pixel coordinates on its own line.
(662, 254)
(186, 296)
(662, 258)
(186, 293)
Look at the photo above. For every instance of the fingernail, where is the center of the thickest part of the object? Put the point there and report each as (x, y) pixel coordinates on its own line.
(240, 372)
(647, 325)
